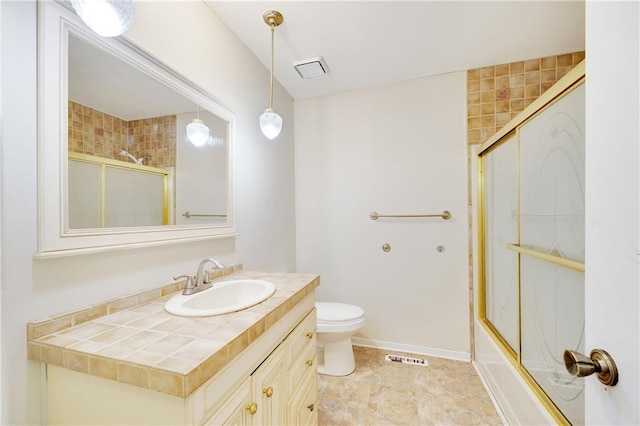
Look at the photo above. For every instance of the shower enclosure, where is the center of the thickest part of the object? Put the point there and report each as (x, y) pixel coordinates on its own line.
(532, 245)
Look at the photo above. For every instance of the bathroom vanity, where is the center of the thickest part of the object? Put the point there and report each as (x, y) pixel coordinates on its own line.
(128, 361)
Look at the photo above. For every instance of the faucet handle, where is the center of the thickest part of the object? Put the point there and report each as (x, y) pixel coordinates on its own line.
(190, 279)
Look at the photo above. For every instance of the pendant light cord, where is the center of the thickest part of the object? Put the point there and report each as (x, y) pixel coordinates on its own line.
(273, 27)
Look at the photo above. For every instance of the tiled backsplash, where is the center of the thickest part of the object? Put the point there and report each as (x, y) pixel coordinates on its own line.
(496, 94)
(97, 133)
(60, 322)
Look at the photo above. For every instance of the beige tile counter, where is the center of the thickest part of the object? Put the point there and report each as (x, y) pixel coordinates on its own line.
(134, 340)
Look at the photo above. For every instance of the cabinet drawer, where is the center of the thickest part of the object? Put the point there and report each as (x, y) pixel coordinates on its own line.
(305, 363)
(303, 409)
(303, 336)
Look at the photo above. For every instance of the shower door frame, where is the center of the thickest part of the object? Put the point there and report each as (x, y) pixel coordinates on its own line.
(563, 87)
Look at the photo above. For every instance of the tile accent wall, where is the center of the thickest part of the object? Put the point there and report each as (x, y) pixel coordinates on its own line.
(97, 133)
(496, 94)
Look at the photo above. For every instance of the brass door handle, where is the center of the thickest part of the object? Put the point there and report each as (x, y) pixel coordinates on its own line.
(599, 362)
(311, 406)
(268, 392)
(309, 334)
(309, 362)
(251, 408)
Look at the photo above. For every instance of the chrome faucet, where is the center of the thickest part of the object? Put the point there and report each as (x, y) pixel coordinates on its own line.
(201, 280)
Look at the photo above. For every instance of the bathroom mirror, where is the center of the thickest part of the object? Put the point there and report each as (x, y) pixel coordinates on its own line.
(116, 168)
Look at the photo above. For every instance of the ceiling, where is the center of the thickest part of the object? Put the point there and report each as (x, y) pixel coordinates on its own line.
(376, 43)
(101, 81)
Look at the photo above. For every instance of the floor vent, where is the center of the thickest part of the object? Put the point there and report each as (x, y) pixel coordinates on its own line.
(406, 360)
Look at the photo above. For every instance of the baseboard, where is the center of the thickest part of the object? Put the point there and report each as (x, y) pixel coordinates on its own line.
(412, 349)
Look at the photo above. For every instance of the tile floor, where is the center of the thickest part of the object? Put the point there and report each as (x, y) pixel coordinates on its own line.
(381, 392)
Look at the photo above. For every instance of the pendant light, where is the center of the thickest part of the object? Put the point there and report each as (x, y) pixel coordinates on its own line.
(270, 121)
(197, 131)
(108, 18)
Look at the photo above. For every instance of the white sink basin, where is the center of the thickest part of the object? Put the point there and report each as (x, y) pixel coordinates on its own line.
(222, 298)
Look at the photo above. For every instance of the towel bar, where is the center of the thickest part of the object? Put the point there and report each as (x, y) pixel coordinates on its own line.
(444, 215)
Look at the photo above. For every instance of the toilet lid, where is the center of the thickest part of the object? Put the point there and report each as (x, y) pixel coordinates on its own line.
(330, 312)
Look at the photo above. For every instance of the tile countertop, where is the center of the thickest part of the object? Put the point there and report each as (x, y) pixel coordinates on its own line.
(134, 340)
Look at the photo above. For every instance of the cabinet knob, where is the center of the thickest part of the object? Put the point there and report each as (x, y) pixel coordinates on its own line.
(311, 407)
(309, 362)
(251, 408)
(268, 392)
(309, 334)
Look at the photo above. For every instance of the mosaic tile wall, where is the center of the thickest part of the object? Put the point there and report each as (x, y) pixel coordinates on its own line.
(97, 133)
(496, 94)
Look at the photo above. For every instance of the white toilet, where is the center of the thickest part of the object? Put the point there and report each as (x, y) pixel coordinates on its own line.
(337, 322)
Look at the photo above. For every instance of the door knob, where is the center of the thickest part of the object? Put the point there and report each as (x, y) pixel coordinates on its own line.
(599, 362)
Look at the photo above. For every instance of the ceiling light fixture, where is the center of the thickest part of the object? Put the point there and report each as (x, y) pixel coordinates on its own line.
(270, 121)
(197, 131)
(108, 18)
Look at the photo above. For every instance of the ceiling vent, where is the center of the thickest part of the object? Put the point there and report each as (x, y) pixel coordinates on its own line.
(312, 68)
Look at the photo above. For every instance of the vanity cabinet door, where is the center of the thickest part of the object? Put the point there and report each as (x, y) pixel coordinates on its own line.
(269, 390)
(303, 408)
(236, 410)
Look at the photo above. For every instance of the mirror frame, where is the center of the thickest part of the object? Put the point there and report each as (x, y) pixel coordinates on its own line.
(55, 22)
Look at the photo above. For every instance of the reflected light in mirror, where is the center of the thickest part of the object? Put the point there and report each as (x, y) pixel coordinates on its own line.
(108, 18)
(197, 132)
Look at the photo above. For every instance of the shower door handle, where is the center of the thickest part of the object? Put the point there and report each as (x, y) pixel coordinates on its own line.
(599, 362)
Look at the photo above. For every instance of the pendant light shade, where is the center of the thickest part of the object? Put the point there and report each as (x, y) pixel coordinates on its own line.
(270, 121)
(108, 18)
(197, 132)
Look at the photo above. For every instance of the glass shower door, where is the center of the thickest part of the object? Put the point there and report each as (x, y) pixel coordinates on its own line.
(533, 203)
(501, 228)
(552, 190)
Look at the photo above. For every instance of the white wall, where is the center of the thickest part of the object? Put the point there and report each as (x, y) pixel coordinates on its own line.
(264, 171)
(399, 149)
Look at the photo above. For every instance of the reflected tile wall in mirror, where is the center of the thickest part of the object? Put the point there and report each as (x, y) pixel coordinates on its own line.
(97, 133)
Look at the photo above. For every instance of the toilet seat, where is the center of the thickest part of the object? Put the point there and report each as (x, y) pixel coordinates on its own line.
(332, 313)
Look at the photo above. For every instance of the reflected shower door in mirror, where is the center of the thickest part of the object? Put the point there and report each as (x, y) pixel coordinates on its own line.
(113, 130)
(104, 194)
